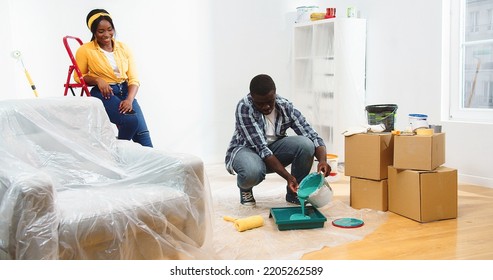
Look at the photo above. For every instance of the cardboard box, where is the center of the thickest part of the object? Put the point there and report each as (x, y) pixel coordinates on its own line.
(368, 155)
(367, 193)
(423, 196)
(419, 152)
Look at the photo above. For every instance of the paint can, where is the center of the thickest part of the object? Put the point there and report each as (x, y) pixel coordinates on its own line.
(315, 190)
(303, 13)
(436, 128)
(333, 161)
(330, 13)
(351, 12)
(382, 114)
(418, 121)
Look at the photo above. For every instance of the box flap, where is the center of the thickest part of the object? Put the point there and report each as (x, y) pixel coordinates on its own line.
(438, 149)
(365, 193)
(439, 195)
(419, 152)
(404, 196)
(368, 155)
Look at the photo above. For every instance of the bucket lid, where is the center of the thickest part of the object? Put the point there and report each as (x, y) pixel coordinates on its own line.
(420, 116)
(379, 108)
(348, 223)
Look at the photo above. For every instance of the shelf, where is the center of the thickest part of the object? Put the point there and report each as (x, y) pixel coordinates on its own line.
(329, 76)
(303, 58)
(314, 57)
(312, 23)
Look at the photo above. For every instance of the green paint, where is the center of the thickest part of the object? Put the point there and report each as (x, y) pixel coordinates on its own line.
(308, 186)
(298, 216)
(302, 216)
(306, 192)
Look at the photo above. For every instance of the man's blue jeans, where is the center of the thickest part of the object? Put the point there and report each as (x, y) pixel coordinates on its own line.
(295, 150)
(131, 126)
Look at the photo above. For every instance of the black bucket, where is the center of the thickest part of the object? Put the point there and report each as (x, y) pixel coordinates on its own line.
(382, 113)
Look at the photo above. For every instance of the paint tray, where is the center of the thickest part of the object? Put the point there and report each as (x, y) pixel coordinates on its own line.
(282, 216)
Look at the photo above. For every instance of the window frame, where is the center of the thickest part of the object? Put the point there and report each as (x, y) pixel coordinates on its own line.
(453, 26)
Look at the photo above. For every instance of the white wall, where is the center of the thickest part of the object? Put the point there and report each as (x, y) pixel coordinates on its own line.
(404, 60)
(196, 59)
(171, 44)
(249, 38)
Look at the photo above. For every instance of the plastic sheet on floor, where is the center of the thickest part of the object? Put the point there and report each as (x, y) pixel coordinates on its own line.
(268, 242)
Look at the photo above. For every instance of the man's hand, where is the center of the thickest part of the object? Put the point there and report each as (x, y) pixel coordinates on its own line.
(293, 184)
(324, 168)
(273, 163)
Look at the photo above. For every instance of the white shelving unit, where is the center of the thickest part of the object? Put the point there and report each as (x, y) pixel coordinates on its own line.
(329, 76)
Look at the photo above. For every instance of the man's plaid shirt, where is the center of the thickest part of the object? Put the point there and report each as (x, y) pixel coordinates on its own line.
(250, 133)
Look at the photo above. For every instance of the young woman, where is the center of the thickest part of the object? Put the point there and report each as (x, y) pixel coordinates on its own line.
(108, 66)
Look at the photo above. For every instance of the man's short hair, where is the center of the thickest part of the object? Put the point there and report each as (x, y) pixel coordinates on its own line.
(262, 84)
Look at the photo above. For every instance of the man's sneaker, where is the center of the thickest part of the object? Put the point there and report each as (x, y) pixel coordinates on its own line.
(292, 198)
(246, 198)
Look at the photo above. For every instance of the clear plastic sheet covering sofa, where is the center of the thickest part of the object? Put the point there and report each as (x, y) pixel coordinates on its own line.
(70, 190)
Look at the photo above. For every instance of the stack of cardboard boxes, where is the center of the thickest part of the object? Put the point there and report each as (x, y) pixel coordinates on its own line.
(367, 157)
(402, 174)
(420, 188)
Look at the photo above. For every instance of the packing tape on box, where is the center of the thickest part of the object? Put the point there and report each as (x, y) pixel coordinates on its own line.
(246, 223)
(424, 131)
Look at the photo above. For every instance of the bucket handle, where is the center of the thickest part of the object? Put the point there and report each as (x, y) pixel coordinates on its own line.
(393, 112)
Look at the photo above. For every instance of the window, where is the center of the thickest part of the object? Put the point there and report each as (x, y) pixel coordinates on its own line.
(488, 92)
(473, 22)
(468, 59)
(490, 18)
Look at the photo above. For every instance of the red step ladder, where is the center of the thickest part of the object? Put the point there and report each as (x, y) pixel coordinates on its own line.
(68, 85)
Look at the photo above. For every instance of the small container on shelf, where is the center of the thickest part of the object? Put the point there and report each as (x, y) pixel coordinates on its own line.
(331, 13)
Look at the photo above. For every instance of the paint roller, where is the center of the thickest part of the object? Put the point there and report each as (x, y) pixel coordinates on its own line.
(246, 223)
(17, 55)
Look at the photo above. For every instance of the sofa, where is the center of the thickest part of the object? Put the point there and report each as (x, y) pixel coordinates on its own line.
(70, 190)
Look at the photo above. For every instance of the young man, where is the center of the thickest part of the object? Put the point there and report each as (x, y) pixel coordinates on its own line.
(260, 144)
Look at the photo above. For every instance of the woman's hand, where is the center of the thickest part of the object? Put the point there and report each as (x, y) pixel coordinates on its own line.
(105, 88)
(125, 106)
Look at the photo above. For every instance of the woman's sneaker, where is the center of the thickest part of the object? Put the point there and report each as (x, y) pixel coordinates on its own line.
(246, 198)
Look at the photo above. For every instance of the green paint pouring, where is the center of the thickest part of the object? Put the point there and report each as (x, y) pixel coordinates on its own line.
(308, 186)
(302, 216)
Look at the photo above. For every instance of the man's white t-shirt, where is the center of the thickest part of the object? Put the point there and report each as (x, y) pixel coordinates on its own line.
(270, 127)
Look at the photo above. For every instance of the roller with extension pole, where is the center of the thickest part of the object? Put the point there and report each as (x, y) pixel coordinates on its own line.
(17, 55)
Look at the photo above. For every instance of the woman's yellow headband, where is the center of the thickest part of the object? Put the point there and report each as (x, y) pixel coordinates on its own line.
(94, 17)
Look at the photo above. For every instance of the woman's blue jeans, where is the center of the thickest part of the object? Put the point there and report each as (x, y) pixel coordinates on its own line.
(298, 151)
(131, 126)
